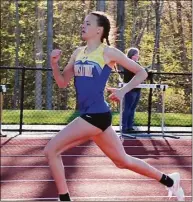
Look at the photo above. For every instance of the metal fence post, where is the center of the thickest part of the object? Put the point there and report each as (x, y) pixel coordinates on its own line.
(150, 102)
(22, 99)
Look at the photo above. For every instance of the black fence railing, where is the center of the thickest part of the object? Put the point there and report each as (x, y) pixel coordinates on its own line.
(26, 101)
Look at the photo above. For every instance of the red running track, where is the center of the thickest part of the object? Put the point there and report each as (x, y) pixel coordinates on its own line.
(91, 176)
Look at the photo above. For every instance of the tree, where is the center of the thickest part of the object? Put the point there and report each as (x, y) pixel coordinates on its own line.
(120, 24)
(180, 35)
(87, 6)
(182, 48)
(134, 17)
(40, 12)
(16, 76)
(112, 9)
(100, 5)
(158, 5)
(175, 44)
(142, 25)
(49, 49)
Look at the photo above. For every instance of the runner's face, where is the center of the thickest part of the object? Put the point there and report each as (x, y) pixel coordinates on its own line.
(90, 28)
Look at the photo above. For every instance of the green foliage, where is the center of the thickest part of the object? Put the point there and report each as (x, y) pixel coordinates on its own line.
(67, 18)
(146, 52)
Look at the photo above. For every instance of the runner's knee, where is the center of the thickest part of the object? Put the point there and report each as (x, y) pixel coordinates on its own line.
(50, 151)
(124, 162)
(120, 165)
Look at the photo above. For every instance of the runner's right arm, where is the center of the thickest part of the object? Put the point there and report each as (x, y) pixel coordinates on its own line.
(62, 79)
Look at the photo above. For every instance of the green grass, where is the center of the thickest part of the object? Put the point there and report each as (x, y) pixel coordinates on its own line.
(65, 116)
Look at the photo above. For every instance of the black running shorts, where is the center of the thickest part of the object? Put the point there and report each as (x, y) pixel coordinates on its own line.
(100, 120)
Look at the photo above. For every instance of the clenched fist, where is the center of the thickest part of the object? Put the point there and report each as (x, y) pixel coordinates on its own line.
(116, 94)
(55, 55)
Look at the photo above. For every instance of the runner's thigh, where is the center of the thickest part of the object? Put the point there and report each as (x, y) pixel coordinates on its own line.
(110, 144)
(77, 132)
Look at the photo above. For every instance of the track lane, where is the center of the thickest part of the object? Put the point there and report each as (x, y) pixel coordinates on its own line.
(94, 161)
(111, 183)
(38, 173)
(88, 189)
(127, 142)
(150, 150)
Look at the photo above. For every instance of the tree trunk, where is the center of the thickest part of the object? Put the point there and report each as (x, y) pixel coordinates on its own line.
(182, 49)
(16, 75)
(156, 53)
(134, 17)
(189, 15)
(121, 25)
(39, 54)
(49, 49)
(112, 9)
(100, 5)
(139, 23)
(142, 30)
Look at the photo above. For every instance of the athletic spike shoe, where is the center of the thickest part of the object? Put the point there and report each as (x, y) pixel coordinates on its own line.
(176, 189)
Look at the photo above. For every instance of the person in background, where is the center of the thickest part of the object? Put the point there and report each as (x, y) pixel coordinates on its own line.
(131, 98)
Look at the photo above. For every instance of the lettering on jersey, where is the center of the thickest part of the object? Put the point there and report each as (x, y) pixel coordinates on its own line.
(83, 70)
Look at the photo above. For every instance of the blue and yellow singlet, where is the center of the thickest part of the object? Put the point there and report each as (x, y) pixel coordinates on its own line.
(91, 74)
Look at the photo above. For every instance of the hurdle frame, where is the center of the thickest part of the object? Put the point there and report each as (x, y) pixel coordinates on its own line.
(163, 88)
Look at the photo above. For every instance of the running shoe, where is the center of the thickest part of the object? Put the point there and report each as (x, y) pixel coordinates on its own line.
(176, 189)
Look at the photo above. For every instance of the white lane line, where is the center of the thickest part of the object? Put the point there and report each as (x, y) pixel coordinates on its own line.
(94, 146)
(83, 180)
(88, 155)
(109, 198)
(94, 166)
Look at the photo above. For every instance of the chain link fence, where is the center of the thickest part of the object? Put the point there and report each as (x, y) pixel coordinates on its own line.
(27, 101)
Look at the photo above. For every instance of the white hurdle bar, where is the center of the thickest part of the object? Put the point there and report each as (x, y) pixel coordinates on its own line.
(158, 86)
(163, 87)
